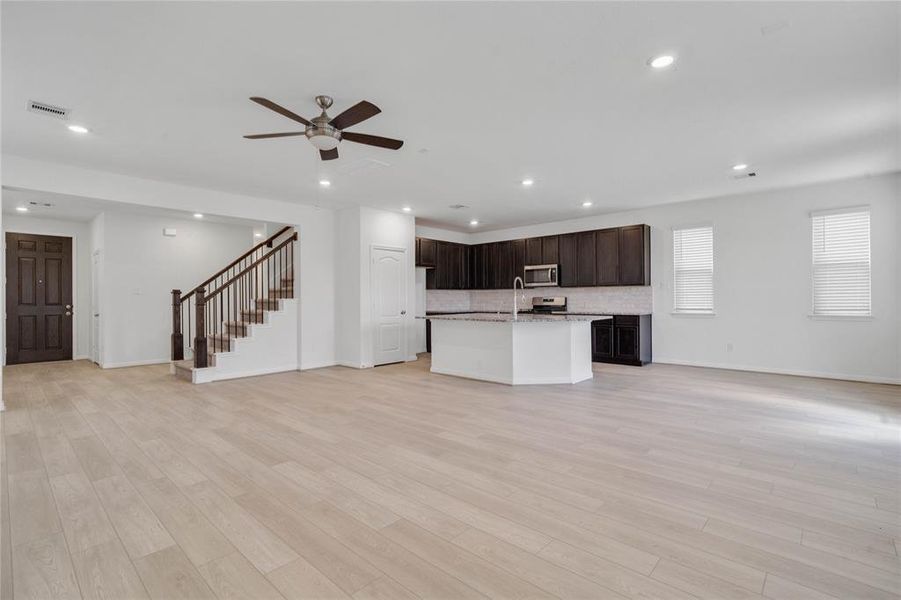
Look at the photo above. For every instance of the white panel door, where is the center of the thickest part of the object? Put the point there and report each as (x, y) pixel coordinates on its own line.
(389, 305)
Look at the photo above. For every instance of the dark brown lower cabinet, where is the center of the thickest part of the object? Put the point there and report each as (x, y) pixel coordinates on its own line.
(624, 339)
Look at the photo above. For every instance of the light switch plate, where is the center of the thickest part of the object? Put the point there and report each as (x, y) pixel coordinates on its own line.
(169, 231)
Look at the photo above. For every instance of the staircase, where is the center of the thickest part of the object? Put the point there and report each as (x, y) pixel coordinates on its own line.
(242, 321)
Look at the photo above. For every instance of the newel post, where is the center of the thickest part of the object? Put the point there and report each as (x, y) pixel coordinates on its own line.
(178, 344)
(200, 354)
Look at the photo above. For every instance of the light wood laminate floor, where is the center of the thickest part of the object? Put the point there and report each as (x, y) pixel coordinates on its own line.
(392, 483)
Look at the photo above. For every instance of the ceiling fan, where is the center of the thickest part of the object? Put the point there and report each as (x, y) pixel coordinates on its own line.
(324, 132)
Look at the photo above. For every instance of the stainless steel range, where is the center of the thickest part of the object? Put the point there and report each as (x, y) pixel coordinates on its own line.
(545, 304)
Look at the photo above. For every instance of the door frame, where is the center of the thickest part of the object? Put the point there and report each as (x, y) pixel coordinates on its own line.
(405, 346)
(96, 305)
(74, 238)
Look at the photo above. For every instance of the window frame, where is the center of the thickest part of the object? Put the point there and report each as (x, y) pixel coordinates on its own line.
(694, 312)
(812, 314)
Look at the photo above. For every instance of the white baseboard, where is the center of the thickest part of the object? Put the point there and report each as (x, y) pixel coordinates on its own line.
(317, 365)
(795, 372)
(352, 365)
(136, 363)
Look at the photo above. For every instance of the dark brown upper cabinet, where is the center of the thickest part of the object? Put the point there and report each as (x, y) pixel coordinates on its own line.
(607, 253)
(542, 250)
(578, 258)
(426, 252)
(635, 255)
(566, 275)
(519, 258)
(615, 256)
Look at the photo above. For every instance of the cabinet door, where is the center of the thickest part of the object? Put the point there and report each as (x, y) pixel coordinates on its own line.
(634, 255)
(504, 273)
(418, 251)
(465, 267)
(601, 340)
(585, 258)
(491, 262)
(567, 273)
(454, 257)
(519, 258)
(607, 251)
(534, 255)
(625, 342)
(427, 252)
(443, 268)
(550, 254)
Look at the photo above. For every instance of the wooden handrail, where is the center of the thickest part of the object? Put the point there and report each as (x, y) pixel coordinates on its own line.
(250, 266)
(265, 242)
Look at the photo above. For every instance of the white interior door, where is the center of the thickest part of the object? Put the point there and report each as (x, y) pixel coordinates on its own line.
(389, 305)
(95, 307)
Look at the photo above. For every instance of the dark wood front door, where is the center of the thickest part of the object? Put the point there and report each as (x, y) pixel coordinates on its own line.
(38, 298)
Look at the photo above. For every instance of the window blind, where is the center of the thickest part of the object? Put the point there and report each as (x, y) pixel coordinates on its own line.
(841, 262)
(693, 269)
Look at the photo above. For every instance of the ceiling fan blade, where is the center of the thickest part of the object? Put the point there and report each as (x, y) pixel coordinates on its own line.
(280, 110)
(263, 136)
(329, 154)
(372, 140)
(357, 113)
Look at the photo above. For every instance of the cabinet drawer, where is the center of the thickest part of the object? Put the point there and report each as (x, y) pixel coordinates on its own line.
(625, 320)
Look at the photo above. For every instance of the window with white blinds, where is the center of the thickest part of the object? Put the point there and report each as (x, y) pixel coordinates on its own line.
(693, 269)
(841, 262)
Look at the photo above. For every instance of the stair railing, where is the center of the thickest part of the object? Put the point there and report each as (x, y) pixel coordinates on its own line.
(228, 295)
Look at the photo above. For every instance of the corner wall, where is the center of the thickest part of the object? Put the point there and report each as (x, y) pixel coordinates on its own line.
(358, 230)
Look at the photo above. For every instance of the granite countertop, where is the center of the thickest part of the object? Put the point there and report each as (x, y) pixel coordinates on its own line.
(501, 317)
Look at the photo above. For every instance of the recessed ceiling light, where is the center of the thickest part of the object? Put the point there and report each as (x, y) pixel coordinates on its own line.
(258, 234)
(528, 182)
(739, 167)
(406, 209)
(198, 215)
(473, 222)
(22, 208)
(587, 203)
(78, 128)
(662, 62)
(325, 182)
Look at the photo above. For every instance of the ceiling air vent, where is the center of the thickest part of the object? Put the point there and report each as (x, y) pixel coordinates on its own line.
(457, 206)
(746, 175)
(48, 109)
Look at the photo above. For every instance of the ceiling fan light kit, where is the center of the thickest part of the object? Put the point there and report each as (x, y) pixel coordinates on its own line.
(326, 133)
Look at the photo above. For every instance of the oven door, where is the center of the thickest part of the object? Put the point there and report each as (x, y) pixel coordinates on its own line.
(540, 275)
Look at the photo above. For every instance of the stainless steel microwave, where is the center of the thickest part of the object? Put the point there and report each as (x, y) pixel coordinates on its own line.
(540, 275)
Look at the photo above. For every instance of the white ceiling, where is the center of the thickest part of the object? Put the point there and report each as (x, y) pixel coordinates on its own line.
(484, 94)
(65, 207)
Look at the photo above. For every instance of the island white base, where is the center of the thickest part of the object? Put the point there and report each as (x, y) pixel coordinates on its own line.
(513, 352)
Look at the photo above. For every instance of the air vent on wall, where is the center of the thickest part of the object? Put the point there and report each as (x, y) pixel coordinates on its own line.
(48, 109)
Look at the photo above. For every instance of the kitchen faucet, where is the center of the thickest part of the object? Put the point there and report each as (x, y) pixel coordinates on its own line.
(521, 283)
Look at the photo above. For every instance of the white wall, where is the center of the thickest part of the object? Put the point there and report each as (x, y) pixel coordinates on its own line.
(141, 267)
(80, 232)
(358, 230)
(347, 288)
(315, 225)
(762, 281)
(394, 230)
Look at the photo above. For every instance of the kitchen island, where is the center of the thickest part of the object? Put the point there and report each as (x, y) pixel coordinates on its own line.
(528, 349)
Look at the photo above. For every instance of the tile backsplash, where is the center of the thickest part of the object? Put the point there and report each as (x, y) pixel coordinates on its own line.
(630, 299)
